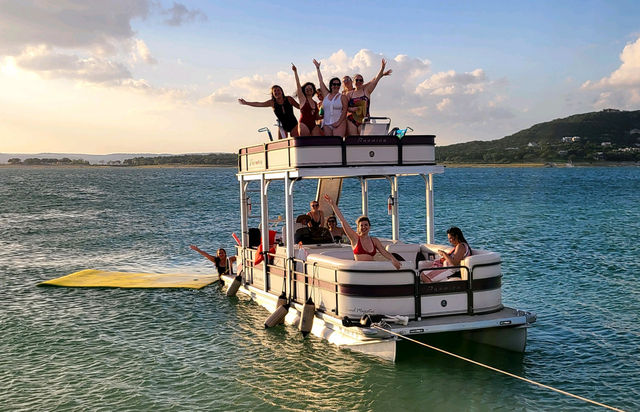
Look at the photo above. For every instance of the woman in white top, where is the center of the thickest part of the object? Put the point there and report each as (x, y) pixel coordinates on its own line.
(334, 106)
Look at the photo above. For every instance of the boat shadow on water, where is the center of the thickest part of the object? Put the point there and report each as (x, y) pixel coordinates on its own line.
(410, 352)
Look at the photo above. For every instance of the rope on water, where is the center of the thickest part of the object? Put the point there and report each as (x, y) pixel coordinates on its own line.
(499, 370)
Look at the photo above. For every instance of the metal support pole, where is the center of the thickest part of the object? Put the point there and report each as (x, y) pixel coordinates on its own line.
(244, 226)
(364, 185)
(288, 219)
(428, 182)
(395, 223)
(264, 223)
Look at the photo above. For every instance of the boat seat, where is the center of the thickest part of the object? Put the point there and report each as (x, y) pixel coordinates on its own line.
(409, 252)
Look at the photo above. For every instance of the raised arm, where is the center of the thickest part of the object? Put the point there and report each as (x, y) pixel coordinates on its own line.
(301, 96)
(351, 234)
(203, 253)
(268, 103)
(323, 86)
(369, 87)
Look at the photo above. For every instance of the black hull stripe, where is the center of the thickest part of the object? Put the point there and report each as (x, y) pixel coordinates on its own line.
(435, 288)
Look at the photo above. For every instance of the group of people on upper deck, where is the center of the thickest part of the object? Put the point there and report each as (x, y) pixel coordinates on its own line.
(337, 112)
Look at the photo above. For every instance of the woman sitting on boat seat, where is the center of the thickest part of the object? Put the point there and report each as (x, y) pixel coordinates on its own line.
(364, 246)
(453, 257)
(220, 260)
(337, 233)
(311, 235)
(315, 214)
(283, 109)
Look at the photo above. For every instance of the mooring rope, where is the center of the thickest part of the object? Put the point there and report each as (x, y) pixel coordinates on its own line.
(499, 370)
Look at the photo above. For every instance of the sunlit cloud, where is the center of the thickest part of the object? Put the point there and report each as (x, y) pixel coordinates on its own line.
(622, 87)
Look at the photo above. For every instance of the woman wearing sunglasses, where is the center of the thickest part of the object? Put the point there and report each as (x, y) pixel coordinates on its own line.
(334, 106)
(360, 99)
(316, 215)
(337, 232)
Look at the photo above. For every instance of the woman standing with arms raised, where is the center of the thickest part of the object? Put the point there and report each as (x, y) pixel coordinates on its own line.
(308, 107)
(283, 109)
(360, 99)
(364, 246)
(334, 106)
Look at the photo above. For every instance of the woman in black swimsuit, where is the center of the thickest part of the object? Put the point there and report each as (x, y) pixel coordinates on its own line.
(283, 109)
(316, 215)
(220, 259)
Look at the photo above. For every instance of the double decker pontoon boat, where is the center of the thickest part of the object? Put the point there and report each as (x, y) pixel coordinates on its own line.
(345, 290)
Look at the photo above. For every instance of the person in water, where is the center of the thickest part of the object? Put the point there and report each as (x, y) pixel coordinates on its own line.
(316, 215)
(337, 233)
(360, 99)
(308, 107)
(283, 108)
(364, 246)
(220, 260)
(334, 106)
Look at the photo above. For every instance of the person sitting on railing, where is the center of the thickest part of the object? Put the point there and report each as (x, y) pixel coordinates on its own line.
(220, 260)
(451, 258)
(311, 235)
(337, 233)
(283, 108)
(364, 246)
(308, 107)
(360, 100)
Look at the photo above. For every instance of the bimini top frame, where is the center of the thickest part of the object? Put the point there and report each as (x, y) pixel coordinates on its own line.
(363, 157)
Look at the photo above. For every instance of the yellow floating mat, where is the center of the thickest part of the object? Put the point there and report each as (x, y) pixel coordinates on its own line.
(91, 278)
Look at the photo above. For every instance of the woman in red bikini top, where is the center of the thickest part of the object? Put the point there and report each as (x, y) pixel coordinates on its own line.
(364, 246)
(308, 108)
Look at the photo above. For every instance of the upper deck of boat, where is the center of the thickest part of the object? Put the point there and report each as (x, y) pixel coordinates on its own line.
(334, 156)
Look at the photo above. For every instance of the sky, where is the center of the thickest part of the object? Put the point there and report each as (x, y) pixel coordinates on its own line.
(147, 76)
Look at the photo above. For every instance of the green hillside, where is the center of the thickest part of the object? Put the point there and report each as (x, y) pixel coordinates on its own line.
(609, 135)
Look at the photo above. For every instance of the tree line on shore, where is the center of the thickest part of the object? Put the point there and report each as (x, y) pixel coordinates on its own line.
(609, 135)
(212, 159)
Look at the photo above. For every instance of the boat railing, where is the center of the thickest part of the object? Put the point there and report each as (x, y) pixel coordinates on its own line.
(326, 289)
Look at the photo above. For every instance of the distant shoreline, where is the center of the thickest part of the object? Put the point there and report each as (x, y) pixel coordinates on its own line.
(167, 166)
(446, 164)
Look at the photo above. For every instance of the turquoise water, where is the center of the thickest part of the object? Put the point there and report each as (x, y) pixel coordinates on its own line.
(569, 239)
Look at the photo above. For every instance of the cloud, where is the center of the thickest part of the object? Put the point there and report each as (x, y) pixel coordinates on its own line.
(179, 14)
(457, 97)
(142, 51)
(51, 64)
(86, 40)
(71, 24)
(622, 87)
